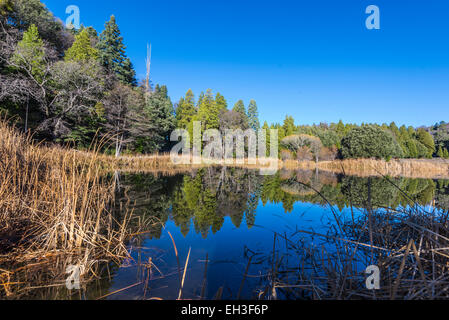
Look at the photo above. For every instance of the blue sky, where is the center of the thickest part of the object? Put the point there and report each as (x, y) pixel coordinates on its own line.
(314, 60)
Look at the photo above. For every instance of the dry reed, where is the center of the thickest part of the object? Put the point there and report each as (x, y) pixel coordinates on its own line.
(53, 203)
(409, 168)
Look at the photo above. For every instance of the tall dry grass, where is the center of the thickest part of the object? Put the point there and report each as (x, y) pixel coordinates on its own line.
(410, 168)
(52, 203)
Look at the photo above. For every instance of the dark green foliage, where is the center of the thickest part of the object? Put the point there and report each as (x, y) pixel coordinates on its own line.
(24, 13)
(208, 111)
(370, 142)
(427, 140)
(69, 98)
(239, 108)
(186, 110)
(160, 114)
(289, 126)
(82, 50)
(253, 116)
(113, 54)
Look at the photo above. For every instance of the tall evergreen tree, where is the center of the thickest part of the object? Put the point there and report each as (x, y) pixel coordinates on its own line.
(253, 115)
(30, 54)
(208, 112)
(222, 104)
(112, 53)
(239, 107)
(82, 50)
(186, 110)
(159, 112)
(289, 126)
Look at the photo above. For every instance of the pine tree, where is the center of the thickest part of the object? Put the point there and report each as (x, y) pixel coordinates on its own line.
(30, 54)
(394, 129)
(160, 113)
(208, 112)
(186, 110)
(266, 128)
(340, 129)
(222, 104)
(289, 126)
(113, 55)
(411, 132)
(239, 107)
(82, 50)
(253, 115)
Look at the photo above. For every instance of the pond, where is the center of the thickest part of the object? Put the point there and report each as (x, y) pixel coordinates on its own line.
(226, 217)
(227, 233)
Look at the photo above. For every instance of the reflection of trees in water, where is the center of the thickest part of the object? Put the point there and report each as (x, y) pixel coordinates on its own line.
(442, 196)
(323, 188)
(206, 196)
(213, 193)
(203, 197)
(149, 197)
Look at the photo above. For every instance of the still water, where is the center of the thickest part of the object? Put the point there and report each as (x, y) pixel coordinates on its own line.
(224, 233)
(246, 232)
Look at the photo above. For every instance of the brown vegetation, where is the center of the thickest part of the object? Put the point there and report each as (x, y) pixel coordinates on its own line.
(410, 168)
(53, 203)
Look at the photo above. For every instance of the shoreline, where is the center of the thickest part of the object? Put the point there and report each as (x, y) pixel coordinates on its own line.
(408, 168)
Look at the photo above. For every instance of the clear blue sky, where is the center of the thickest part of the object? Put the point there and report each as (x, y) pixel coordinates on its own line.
(314, 59)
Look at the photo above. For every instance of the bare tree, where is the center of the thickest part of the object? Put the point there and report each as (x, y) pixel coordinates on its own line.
(77, 87)
(299, 142)
(124, 117)
(148, 65)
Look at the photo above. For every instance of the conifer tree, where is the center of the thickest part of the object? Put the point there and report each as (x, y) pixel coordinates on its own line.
(266, 128)
(340, 129)
(82, 50)
(186, 110)
(289, 126)
(253, 115)
(394, 129)
(239, 107)
(30, 54)
(113, 55)
(208, 112)
(222, 104)
(160, 114)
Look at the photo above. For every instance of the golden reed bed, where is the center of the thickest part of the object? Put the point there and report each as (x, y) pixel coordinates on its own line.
(162, 164)
(409, 168)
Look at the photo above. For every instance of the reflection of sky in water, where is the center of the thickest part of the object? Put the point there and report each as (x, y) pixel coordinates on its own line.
(229, 249)
(228, 252)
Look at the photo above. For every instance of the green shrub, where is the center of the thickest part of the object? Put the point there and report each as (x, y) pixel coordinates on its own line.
(370, 142)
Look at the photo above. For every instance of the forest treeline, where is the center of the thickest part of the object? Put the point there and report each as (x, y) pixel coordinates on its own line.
(74, 86)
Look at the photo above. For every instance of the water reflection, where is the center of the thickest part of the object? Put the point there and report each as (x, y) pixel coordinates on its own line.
(301, 234)
(203, 198)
